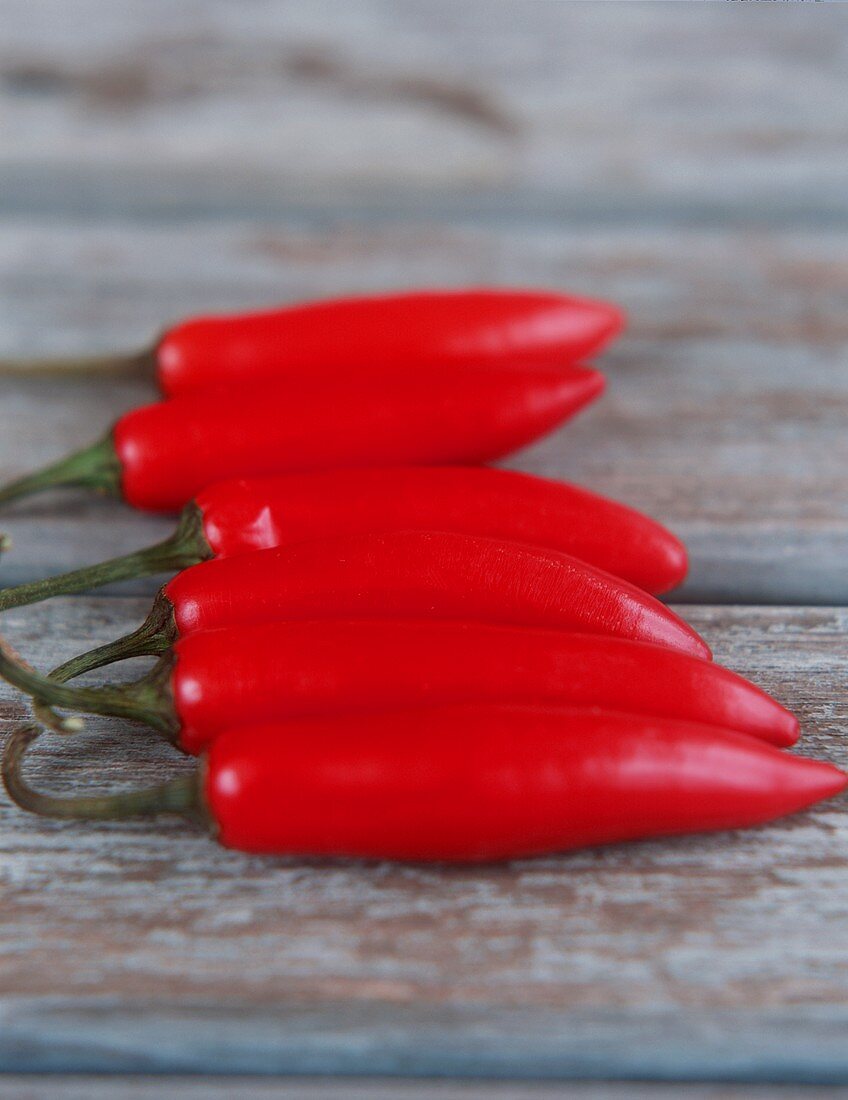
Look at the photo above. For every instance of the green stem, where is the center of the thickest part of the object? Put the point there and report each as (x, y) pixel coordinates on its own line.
(146, 700)
(139, 362)
(179, 796)
(155, 636)
(185, 547)
(95, 467)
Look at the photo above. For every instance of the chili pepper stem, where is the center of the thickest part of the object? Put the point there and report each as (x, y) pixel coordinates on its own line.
(58, 722)
(129, 363)
(186, 546)
(154, 637)
(145, 700)
(94, 467)
(156, 634)
(179, 796)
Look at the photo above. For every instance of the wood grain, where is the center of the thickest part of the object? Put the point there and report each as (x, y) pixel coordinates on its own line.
(141, 947)
(280, 99)
(253, 1088)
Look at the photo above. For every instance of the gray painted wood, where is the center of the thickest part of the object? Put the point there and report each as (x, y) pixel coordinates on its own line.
(252, 1088)
(423, 95)
(142, 947)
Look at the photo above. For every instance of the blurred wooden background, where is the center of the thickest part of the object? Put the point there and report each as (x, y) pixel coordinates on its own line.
(689, 161)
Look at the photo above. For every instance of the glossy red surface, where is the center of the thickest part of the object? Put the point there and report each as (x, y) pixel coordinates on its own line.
(171, 450)
(265, 672)
(486, 783)
(401, 334)
(252, 514)
(418, 575)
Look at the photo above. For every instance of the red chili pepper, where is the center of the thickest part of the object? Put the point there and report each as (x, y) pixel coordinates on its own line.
(232, 517)
(465, 784)
(268, 671)
(160, 456)
(241, 515)
(419, 332)
(397, 575)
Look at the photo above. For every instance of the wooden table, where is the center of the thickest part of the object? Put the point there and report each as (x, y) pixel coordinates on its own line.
(686, 160)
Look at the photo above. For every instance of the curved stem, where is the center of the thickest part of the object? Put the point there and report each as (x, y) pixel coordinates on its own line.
(187, 546)
(131, 363)
(179, 796)
(156, 634)
(55, 721)
(146, 700)
(95, 467)
(154, 637)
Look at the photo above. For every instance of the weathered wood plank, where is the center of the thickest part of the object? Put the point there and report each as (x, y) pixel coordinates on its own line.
(144, 947)
(253, 1088)
(563, 98)
(727, 398)
(308, 1088)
